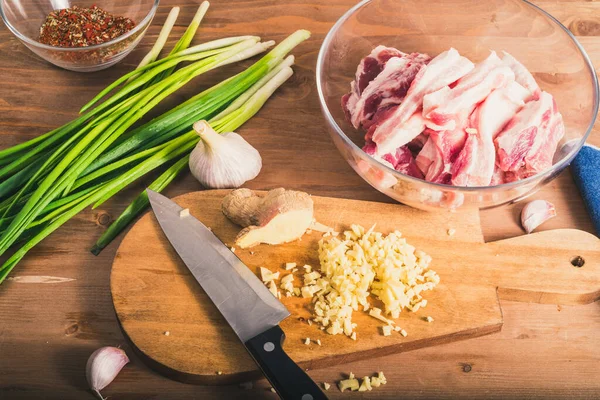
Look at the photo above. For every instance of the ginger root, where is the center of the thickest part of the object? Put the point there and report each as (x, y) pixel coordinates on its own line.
(280, 216)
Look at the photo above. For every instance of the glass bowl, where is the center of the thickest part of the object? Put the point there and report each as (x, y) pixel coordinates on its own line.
(24, 18)
(531, 35)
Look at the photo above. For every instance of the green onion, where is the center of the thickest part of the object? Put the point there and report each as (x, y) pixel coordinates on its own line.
(64, 184)
(186, 38)
(181, 118)
(162, 38)
(47, 229)
(202, 51)
(105, 131)
(12, 184)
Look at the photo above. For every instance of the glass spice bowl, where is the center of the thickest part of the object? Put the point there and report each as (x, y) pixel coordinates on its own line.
(25, 17)
(548, 49)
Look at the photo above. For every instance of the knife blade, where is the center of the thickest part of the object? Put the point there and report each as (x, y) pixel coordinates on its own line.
(244, 301)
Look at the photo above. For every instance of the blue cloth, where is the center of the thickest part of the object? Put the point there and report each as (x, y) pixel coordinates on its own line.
(586, 172)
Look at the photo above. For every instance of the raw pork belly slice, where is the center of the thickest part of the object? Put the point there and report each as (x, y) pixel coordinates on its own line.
(443, 70)
(529, 141)
(399, 136)
(544, 146)
(388, 88)
(500, 106)
(497, 177)
(382, 79)
(516, 139)
(441, 108)
(427, 156)
(403, 161)
(522, 75)
(373, 64)
(441, 151)
(367, 70)
(448, 145)
(476, 161)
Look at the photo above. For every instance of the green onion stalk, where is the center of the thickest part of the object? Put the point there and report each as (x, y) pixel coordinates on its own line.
(163, 35)
(186, 39)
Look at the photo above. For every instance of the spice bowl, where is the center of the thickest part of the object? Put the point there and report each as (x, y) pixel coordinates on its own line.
(547, 49)
(25, 17)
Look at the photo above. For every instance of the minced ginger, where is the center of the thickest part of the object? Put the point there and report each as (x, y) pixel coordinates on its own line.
(368, 383)
(357, 264)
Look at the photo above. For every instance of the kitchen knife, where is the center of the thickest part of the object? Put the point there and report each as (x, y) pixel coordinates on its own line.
(250, 309)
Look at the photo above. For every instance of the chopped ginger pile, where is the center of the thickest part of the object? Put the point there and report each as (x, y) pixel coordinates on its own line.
(354, 266)
(359, 264)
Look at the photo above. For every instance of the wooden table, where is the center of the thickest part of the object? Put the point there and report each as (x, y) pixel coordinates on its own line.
(47, 331)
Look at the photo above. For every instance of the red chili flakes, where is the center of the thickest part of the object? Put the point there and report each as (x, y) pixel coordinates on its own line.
(81, 27)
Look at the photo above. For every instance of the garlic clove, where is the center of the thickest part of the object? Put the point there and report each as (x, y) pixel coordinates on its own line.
(536, 213)
(103, 366)
(223, 161)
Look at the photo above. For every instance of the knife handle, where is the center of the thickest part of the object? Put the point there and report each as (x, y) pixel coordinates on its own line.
(288, 379)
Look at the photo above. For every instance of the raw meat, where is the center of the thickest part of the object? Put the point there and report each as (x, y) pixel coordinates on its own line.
(416, 145)
(448, 144)
(522, 75)
(427, 156)
(399, 136)
(403, 161)
(388, 88)
(500, 106)
(497, 177)
(528, 142)
(451, 122)
(474, 165)
(377, 177)
(540, 156)
(476, 161)
(443, 70)
(370, 148)
(368, 68)
(373, 64)
(441, 108)
(382, 79)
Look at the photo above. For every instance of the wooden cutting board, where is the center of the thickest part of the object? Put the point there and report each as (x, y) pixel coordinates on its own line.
(154, 293)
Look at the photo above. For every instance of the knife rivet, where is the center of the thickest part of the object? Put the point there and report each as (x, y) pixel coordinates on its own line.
(269, 347)
(577, 262)
(307, 397)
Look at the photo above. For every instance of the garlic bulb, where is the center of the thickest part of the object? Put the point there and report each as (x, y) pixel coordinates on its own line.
(223, 161)
(536, 213)
(103, 366)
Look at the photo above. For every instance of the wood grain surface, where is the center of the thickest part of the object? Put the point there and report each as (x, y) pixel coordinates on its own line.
(154, 292)
(49, 330)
